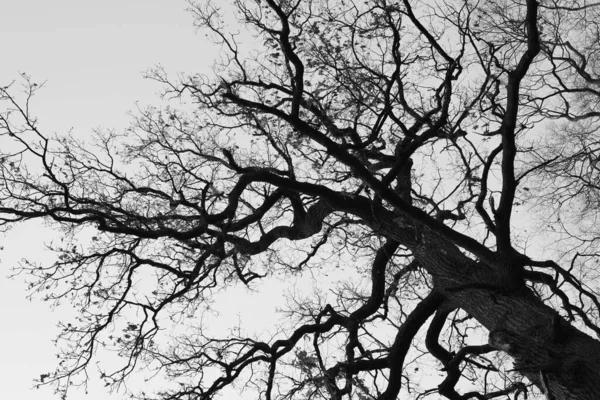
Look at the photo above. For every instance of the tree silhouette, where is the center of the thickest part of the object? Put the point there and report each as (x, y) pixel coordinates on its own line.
(444, 154)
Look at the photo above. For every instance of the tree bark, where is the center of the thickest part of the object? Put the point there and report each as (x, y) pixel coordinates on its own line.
(554, 355)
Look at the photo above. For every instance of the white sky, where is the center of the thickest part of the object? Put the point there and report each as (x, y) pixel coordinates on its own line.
(92, 55)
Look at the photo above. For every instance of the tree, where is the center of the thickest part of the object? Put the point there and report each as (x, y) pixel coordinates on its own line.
(402, 141)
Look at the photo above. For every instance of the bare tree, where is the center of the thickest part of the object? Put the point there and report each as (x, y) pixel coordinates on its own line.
(397, 139)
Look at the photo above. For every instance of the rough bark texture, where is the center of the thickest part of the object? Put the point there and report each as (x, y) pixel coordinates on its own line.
(543, 345)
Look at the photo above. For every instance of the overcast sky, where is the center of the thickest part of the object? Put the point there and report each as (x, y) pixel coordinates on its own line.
(92, 55)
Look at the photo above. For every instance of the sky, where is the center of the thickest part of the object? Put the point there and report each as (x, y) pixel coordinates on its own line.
(92, 55)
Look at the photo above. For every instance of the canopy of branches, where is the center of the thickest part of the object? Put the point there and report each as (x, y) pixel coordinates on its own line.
(433, 165)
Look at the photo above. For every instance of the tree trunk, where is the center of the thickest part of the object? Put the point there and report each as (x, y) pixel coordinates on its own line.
(557, 357)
